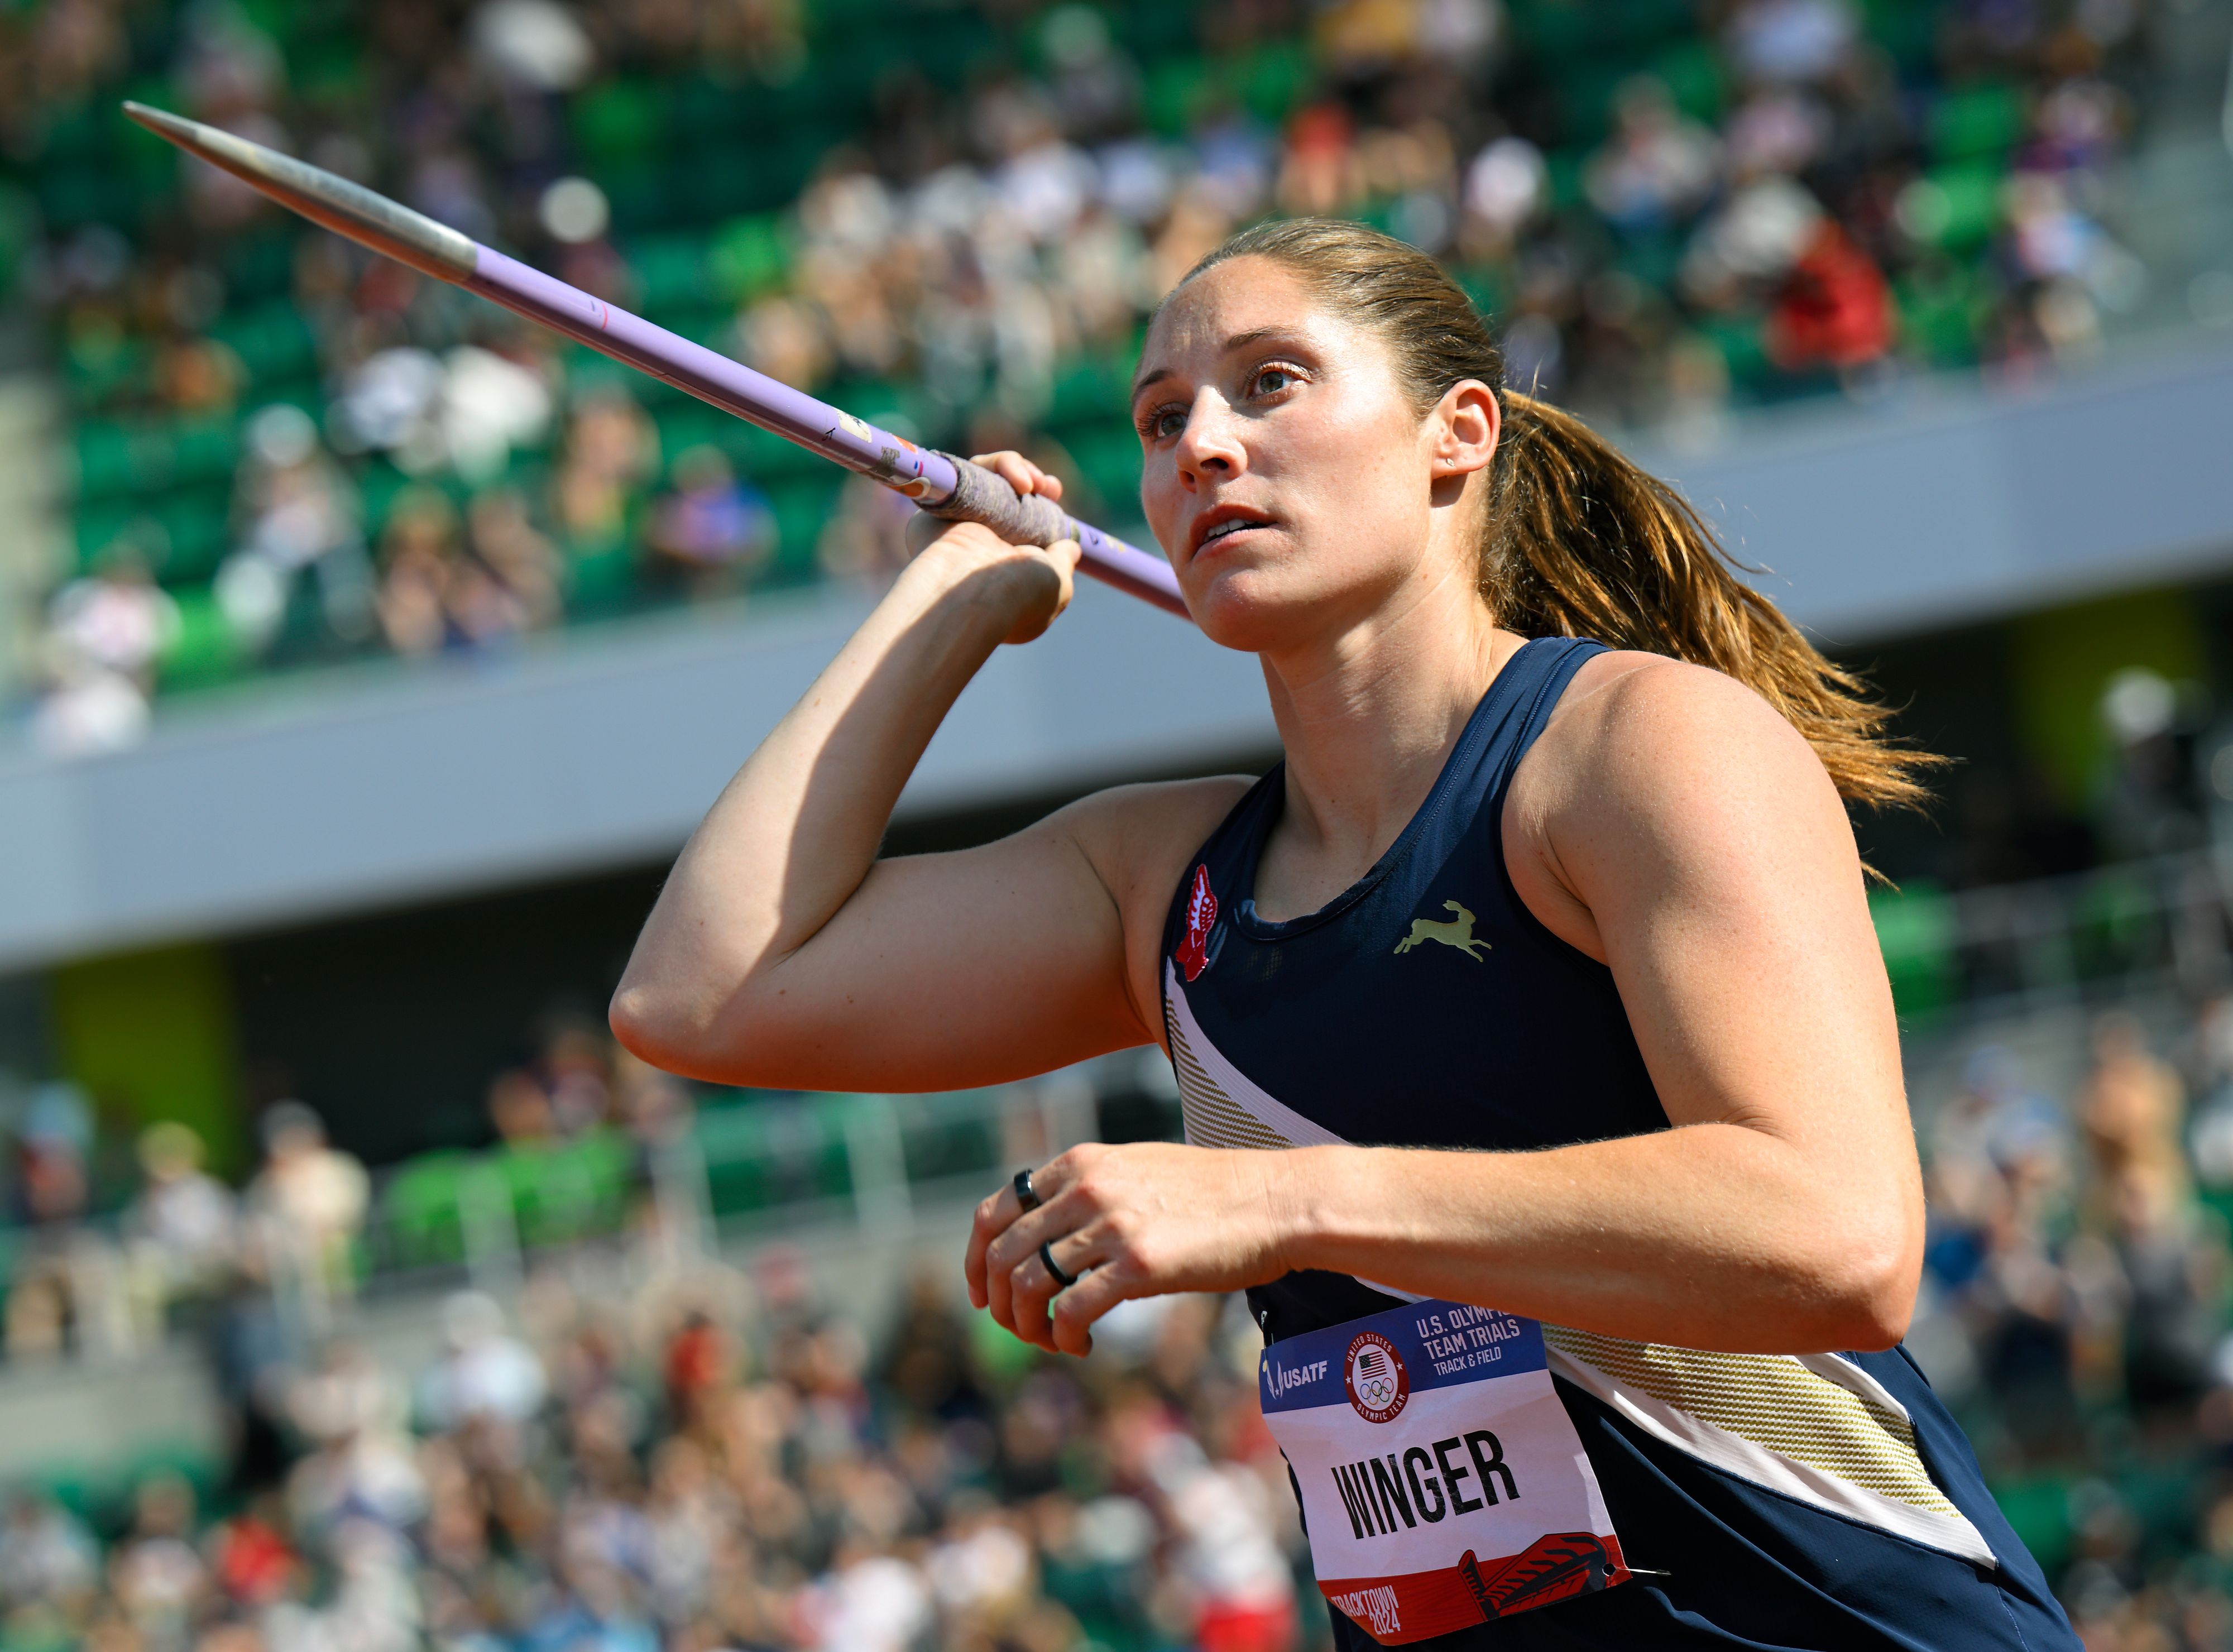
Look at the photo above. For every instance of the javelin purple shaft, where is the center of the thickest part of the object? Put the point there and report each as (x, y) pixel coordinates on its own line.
(941, 483)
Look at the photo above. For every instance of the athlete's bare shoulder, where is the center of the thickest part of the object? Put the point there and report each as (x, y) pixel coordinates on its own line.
(1625, 701)
(1647, 758)
(1138, 840)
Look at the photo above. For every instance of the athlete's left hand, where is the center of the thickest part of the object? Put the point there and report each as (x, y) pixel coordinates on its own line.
(1138, 1220)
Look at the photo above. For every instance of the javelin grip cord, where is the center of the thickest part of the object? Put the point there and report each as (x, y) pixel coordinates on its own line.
(984, 496)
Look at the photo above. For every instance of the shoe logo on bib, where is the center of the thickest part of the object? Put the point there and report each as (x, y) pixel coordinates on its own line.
(1457, 932)
(1193, 955)
(1379, 1386)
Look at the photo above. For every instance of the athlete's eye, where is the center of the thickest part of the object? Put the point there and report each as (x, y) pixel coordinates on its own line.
(1161, 424)
(1269, 381)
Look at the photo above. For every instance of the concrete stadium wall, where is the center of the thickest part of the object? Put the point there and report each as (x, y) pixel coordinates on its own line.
(309, 797)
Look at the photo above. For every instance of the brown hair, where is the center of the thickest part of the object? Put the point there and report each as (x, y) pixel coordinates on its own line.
(1579, 542)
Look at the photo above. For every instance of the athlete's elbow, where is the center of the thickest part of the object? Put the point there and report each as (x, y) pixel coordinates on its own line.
(1868, 1290)
(662, 1026)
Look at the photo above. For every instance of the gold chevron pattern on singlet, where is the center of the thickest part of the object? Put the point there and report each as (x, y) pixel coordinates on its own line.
(1770, 1400)
(1213, 1118)
(1776, 1403)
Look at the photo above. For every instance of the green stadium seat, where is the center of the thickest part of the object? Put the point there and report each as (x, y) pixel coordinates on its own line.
(762, 1152)
(273, 340)
(420, 1207)
(1917, 932)
(104, 460)
(205, 448)
(198, 520)
(1109, 457)
(261, 265)
(1943, 312)
(1275, 77)
(2038, 1506)
(802, 505)
(1155, 30)
(749, 256)
(1692, 71)
(671, 273)
(569, 1190)
(618, 120)
(1177, 91)
(1968, 205)
(1977, 121)
(1556, 31)
(1908, 29)
(204, 652)
(1090, 390)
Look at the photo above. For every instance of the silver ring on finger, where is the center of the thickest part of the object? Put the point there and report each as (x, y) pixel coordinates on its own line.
(1026, 1195)
(1046, 1255)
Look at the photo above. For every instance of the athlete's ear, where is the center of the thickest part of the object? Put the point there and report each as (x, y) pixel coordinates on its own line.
(1463, 428)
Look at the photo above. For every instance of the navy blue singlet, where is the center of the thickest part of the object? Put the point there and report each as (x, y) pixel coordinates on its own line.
(1820, 1502)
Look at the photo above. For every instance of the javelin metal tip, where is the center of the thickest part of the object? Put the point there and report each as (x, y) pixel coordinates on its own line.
(176, 127)
(343, 207)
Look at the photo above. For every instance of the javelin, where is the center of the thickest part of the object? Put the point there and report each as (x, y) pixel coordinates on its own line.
(939, 483)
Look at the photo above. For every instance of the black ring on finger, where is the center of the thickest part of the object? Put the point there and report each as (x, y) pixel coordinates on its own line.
(1046, 1255)
(1026, 1195)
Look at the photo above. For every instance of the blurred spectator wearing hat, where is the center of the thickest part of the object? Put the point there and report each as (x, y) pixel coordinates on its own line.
(182, 1229)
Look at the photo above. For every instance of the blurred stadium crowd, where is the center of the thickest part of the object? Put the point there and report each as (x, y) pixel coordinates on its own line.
(716, 1462)
(680, 1455)
(666, 1450)
(952, 219)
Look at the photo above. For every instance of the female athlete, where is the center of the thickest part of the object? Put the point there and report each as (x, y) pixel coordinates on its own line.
(1543, 963)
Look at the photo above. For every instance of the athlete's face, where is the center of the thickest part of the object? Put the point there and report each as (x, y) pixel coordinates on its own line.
(1287, 475)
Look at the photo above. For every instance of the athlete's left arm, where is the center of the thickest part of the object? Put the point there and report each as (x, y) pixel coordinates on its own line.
(1672, 825)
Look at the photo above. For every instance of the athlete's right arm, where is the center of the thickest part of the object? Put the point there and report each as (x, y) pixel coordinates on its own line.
(783, 954)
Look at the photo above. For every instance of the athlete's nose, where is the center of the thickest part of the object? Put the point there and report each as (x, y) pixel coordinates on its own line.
(1209, 449)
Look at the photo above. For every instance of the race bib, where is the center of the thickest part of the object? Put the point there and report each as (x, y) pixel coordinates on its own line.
(1442, 1482)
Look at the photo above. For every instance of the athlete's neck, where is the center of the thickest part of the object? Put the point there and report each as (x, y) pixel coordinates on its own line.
(1368, 718)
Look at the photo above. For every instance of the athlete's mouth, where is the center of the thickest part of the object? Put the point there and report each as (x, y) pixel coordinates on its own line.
(1225, 521)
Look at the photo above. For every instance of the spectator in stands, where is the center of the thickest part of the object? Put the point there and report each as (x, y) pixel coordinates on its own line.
(713, 531)
(1658, 167)
(506, 542)
(183, 1227)
(299, 514)
(157, 1575)
(864, 543)
(107, 635)
(418, 564)
(610, 452)
(2175, 1275)
(50, 1571)
(308, 1204)
(483, 1375)
(2133, 1112)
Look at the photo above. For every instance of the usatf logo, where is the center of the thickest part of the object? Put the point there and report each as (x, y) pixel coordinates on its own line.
(1193, 955)
(1379, 1387)
(1282, 1380)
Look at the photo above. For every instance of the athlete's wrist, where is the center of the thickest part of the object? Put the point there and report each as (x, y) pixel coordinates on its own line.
(1296, 1184)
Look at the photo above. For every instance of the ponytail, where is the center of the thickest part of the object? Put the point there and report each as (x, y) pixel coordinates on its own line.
(1583, 543)
(1578, 541)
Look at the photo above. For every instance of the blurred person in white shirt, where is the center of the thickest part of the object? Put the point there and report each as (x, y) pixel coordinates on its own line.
(867, 1601)
(308, 1204)
(483, 1372)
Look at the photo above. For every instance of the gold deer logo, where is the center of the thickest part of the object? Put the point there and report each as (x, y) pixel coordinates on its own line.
(1457, 932)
